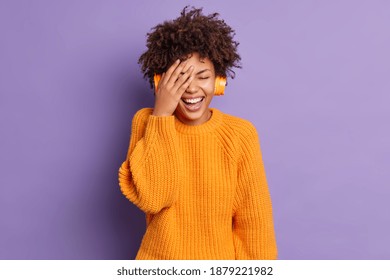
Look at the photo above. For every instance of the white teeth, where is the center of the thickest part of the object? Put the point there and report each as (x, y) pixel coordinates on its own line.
(192, 101)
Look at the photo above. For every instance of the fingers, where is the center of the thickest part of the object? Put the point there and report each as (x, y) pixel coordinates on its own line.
(168, 74)
(171, 69)
(176, 73)
(184, 80)
(182, 88)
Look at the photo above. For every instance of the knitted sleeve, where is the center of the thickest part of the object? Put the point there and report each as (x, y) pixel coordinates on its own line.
(150, 175)
(253, 229)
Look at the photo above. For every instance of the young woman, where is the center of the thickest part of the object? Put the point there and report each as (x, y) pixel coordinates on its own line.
(195, 171)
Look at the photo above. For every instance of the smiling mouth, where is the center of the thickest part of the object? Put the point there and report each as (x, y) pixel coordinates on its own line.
(193, 104)
(191, 101)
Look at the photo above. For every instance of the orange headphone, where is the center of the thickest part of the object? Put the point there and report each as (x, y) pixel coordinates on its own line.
(219, 89)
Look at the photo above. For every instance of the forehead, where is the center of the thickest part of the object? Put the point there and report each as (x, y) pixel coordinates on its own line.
(197, 61)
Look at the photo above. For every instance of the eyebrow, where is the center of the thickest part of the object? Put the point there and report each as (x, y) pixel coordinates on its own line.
(202, 71)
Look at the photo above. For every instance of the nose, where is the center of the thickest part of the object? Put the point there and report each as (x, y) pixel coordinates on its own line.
(192, 88)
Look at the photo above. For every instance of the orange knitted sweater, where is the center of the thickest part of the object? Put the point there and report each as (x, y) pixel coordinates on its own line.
(203, 188)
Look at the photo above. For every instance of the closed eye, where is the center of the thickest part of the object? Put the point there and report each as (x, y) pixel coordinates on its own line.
(203, 78)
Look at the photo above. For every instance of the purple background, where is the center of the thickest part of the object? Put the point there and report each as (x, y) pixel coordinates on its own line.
(315, 82)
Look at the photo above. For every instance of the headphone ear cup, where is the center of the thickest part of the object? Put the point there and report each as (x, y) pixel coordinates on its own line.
(156, 78)
(220, 84)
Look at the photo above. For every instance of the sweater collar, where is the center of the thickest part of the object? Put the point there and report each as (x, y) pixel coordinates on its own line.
(214, 121)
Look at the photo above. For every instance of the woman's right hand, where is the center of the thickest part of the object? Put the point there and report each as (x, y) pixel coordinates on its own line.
(171, 87)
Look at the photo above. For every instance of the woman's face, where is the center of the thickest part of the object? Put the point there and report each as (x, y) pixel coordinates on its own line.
(193, 108)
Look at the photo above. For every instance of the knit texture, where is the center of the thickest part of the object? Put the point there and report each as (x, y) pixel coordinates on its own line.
(203, 188)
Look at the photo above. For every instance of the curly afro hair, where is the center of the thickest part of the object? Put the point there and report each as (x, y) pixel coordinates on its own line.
(192, 32)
